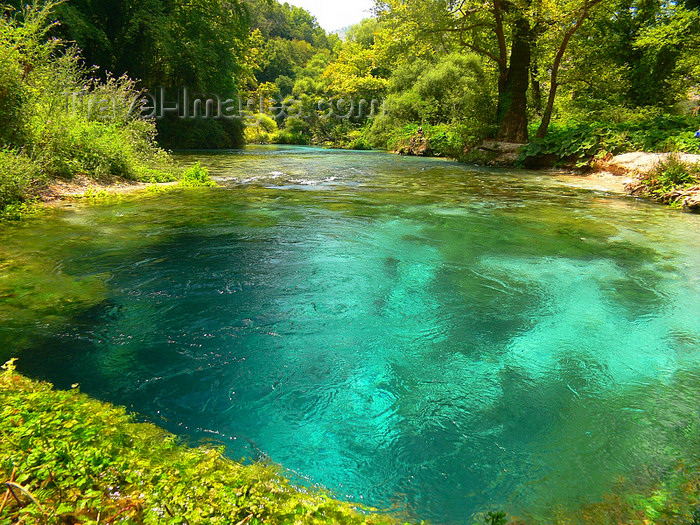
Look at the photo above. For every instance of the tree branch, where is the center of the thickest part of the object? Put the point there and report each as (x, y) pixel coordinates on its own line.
(463, 42)
(479, 51)
(583, 14)
(500, 35)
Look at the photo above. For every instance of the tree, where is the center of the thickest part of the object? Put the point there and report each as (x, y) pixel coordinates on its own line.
(352, 74)
(675, 35)
(634, 53)
(363, 33)
(504, 32)
(453, 88)
(198, 44)
(569, 23)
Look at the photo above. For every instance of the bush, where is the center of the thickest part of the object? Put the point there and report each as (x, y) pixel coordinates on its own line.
(296, 131)
(449, 99)
(359, 144)
(42, 137)
(284, 136)
(11, 93)
(578, 141)
(196, 176)
(177, 133)
(260, 129)
(671, 174)
(442, 140)
(18, 177)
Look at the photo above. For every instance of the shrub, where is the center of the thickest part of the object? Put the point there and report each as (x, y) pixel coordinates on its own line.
(42, 137)
(443, 140)
(196, 176)
(580, 139)
(671, 174)
(260, 129)
(296, 131)
(285, 136)
(18, 177)
(450, 99)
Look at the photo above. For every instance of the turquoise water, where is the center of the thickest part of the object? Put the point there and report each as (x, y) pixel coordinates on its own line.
(418, 335)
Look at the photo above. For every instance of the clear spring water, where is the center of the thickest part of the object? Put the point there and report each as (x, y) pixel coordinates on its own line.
(414, 334)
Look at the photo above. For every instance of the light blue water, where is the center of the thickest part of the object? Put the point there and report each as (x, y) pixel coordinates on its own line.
(414, 334)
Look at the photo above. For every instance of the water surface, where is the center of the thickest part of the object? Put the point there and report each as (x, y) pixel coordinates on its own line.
(415, 334)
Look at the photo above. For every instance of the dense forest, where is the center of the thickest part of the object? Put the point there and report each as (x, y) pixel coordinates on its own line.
(572, 79)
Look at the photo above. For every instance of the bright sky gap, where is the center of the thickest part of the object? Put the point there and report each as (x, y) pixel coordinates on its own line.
(332, 16)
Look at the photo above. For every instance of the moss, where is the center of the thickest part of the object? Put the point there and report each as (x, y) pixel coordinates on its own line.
(76, 460)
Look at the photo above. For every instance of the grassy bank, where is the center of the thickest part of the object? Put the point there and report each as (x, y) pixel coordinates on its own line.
(70, 459)
(57, 122)
(100, 190)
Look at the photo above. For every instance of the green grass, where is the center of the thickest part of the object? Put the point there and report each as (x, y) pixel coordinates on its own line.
(76, 460)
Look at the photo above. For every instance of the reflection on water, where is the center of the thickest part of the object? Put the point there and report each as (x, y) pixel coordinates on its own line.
(411, 333)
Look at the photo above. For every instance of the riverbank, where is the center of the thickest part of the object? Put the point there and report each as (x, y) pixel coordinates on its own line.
(643, 171)
(66, 458)
(669, 178)
(84, 187)
(80, 186)
(622, 174)
(625, 175)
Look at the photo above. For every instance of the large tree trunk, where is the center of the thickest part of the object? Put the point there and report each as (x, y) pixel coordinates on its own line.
(512, 90)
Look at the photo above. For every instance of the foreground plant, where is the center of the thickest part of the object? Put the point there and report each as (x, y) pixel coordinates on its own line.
(65, 458)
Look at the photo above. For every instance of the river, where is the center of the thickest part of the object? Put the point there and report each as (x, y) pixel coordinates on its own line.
(415, 334)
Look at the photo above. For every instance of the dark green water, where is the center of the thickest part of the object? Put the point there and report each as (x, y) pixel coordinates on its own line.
(414, 334)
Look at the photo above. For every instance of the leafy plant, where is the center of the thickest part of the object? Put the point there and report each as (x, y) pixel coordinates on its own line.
(671, 174)
(579, 139)
(496, 518)
(196, 176)
(260, 129)
(68, 459)
(45, 135)
(19, 177)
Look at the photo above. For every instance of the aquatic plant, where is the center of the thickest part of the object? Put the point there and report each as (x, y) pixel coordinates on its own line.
(196, 176)
(66, 458)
